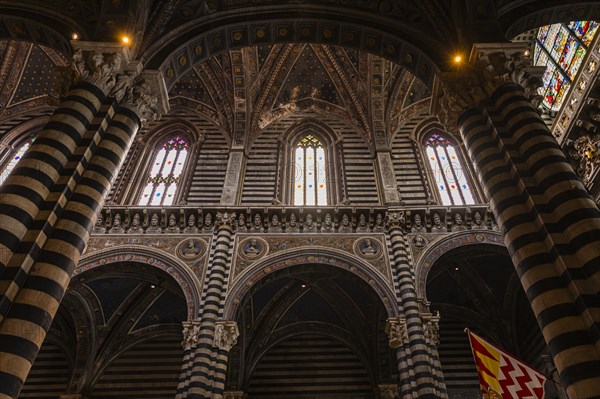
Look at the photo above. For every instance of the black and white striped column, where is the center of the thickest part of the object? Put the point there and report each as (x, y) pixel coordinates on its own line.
(551, 227)
(28, 187)
(20, 263)
(28, 319)
(418, 359)
(191, 335)
(226, 334)
(209, 363)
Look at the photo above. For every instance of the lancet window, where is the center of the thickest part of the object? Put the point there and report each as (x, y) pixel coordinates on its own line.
(449, 174)
(13, 160)
(310, 172)
(165, 172)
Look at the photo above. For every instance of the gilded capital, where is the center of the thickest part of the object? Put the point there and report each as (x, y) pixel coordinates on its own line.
(584, 153)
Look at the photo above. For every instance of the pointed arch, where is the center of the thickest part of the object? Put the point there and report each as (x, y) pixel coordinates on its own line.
(16, 142)
(447, 171)
(323, 171)
(164, 166)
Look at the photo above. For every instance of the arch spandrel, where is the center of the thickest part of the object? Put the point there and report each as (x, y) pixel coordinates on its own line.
(177, 269)
(244, 282)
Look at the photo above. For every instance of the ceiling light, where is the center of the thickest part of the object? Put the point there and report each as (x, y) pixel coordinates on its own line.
(125, 39)
(74, 36)
(457, 59)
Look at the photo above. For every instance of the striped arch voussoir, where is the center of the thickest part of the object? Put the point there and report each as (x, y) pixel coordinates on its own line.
(447, 244)
(179, 271)
(318, 255)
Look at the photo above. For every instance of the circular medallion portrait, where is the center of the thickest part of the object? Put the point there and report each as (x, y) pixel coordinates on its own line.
(368, 248)
(419, 241)
(252, 248)
(191, 248)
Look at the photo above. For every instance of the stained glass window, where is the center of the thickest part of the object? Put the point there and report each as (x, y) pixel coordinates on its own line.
(451, 181)
(14, 160)
(165, 172)
(561, 48)
(310, 175)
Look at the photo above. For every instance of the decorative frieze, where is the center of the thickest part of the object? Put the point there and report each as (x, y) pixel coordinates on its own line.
(282, 219)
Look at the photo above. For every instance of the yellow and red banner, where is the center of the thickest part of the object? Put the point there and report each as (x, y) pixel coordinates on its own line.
(502, 375)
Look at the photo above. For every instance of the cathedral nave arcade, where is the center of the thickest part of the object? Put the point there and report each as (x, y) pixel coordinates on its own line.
(277, 199)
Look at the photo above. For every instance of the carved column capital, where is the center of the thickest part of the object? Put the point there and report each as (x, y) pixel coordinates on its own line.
(109, 67)
(490, 66)
(97, 63)
(145, 94)
(397, 331)
(226, 334)
(394, 219)
(226, 219)
(386, 391)
(431, 325)
(191, 334)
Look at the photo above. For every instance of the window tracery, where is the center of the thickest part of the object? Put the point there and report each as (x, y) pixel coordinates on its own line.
(561, 48)
(310, 172)
(14, 159)
(165, 172)
(449, 174)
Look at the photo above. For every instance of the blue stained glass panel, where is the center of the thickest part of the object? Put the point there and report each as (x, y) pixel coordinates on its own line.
(13, 162)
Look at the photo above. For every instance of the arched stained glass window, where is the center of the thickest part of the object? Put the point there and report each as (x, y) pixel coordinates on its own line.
(14, 160)
(561, 48)
(451, 181)
(310, 176)
(165, 172)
